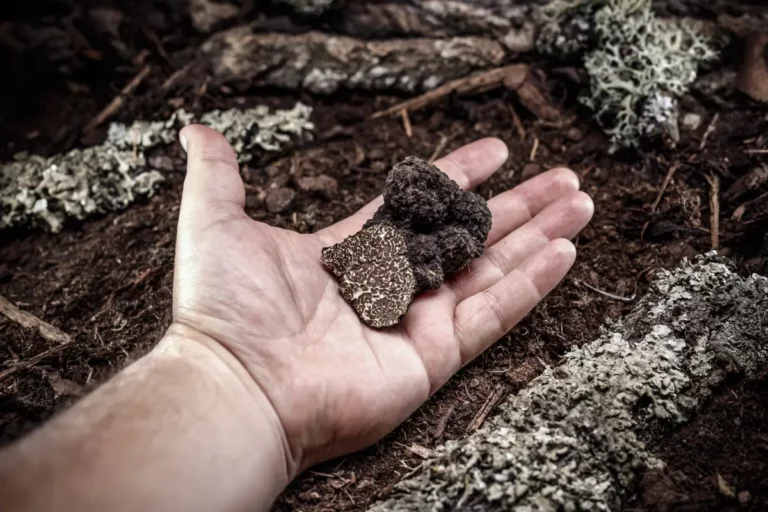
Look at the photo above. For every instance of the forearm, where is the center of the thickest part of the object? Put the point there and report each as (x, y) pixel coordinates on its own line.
(180, 429)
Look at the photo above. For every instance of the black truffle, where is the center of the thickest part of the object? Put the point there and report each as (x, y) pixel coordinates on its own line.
(445, 227)
(426, 230)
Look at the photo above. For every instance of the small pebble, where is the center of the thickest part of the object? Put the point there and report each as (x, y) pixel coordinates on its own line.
(574, 134)
(280, 199)
(692, 121)
(745, 497)
(378, 167)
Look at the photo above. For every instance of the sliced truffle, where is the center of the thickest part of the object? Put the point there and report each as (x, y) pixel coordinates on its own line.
(426, 230)
(374, 273)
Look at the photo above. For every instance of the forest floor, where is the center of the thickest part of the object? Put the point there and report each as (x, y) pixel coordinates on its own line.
(107, 281)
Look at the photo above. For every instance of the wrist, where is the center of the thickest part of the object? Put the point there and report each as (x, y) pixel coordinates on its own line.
(238, 396)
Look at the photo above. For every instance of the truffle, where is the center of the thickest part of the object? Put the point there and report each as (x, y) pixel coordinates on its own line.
(426, 230)
(374, 274)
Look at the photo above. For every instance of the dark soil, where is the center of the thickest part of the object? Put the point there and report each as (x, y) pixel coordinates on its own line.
(107, 282)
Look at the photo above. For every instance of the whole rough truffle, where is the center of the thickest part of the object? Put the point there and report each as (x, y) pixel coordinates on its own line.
(445, 226)
(439, 228)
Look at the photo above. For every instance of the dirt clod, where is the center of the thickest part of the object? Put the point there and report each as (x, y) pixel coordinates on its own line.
(323, 185)
(280, 199)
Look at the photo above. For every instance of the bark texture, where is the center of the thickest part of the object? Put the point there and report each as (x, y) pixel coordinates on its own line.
(510, 23)
(575, 438)
(323, 63)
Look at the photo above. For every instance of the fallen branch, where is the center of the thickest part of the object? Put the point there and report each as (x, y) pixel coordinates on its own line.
(579, 434)
(31, 322)
(511, 23)
(324, 63)
(118, 101)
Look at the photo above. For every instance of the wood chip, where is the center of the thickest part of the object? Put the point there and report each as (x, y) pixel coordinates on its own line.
(420, 451)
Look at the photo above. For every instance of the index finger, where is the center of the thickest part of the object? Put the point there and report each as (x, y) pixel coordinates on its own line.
(468, 166)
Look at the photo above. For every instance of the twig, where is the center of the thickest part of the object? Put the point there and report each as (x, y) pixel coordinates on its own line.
(439, 148)
(534, 149)
(485, 81)
(710, 130)
(516, 121)
(351, 499)
(440, 428)
(30, 321)
(176, 77)
(406, 123)
(32, 361)
(118, 101)
(714, 209)
(608, 294)
(664, 185)
(487, 407)
(756, 151)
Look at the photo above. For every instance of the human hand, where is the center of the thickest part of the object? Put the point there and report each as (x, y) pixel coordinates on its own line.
(329, 385)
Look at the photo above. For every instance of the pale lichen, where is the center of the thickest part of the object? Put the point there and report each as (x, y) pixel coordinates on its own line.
(45, 191)
(638, 64)
(576, 437)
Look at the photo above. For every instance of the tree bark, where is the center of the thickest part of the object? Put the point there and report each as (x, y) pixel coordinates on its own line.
(323, 63)
(575, 437)
(510, 23)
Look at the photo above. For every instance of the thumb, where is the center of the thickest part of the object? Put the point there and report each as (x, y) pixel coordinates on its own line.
(213, 188)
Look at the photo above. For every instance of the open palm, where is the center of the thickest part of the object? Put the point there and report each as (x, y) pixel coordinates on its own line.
(334, 384)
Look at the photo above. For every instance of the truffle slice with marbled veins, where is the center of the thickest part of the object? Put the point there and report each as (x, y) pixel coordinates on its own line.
(374, 274)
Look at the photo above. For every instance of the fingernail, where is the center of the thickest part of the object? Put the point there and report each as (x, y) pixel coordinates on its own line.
(183, 141)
